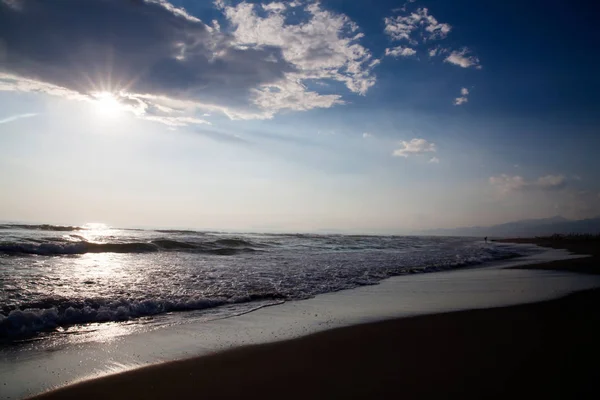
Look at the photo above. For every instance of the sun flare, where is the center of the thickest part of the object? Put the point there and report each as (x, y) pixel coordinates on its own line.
(107, 104)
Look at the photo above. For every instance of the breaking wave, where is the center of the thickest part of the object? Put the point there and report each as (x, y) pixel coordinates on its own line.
(44, 227)
(52, 314)
(218, 247)
(46, 286)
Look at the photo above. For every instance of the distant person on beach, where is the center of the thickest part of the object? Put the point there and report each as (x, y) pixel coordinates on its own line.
(485, 239)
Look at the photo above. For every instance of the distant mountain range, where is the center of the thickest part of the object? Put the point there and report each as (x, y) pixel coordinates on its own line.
(527, 227)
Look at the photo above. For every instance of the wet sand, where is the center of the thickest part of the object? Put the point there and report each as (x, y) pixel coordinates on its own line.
(587, 265)
(548, 349)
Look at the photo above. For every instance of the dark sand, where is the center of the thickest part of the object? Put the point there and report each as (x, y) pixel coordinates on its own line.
(589, 246)
(544, 350)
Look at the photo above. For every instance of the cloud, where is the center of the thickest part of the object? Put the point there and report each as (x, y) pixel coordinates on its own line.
(462, 98)
(434, 160)
(400, 52)
(274, 7)
(16, 117)
(419, 27)
(323, 45)
(414, 147)
(178, 121)
(507, 183)
(367, 135)
(155, 54)
(462, 59)
(418, 23)
(551, 182)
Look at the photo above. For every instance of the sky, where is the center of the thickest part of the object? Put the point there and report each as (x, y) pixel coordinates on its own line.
(333, 115)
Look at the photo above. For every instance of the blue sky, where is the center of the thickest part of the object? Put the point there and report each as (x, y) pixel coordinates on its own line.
(355, 116)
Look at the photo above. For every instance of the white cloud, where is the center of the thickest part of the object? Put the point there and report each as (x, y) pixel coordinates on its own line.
(419, 27)
(434, 160)
(414, 147)
(405, 27)
(436, 29)
(400, 52)
(16, 117)
(462, 98)
(462, 59)
(367, 135)
(158, 53)
(507, 183)
(324, 46)
(274, 7)
(292, 95)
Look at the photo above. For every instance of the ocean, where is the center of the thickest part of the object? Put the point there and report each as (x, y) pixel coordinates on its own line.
(65, 280)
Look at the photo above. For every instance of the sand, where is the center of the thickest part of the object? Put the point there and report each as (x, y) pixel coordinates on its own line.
(589, 246)
(548, 349)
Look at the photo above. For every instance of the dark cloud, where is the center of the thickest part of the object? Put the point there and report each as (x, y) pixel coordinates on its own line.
(142, 47)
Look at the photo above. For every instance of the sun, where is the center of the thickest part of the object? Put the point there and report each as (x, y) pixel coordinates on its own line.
(106, 104)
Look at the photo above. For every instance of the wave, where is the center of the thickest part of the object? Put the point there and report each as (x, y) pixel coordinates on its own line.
(224, 247)
(180, 231)
(234, 242)
(48, 249)
(44, 227)
(28, 319)
(302, 279)
(52, 314)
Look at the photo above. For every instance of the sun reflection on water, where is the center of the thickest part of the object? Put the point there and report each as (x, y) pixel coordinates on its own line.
(95, 232)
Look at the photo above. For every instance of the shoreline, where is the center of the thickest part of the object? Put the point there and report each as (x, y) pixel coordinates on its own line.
(544, 349)
(590, 248)
(332, 362)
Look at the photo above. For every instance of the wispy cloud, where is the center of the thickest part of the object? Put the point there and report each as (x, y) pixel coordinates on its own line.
(463, 98)
(400, 51)
(16, 117)
(415, 146)
(463, 59)
(434, 160)
(416, 26)
(420, 27)
(551, 181)
(507, 183)
(367, 135)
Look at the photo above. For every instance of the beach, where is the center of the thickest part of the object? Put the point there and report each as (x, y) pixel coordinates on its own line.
(299, 199)
(546, 350)
(542, 349)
